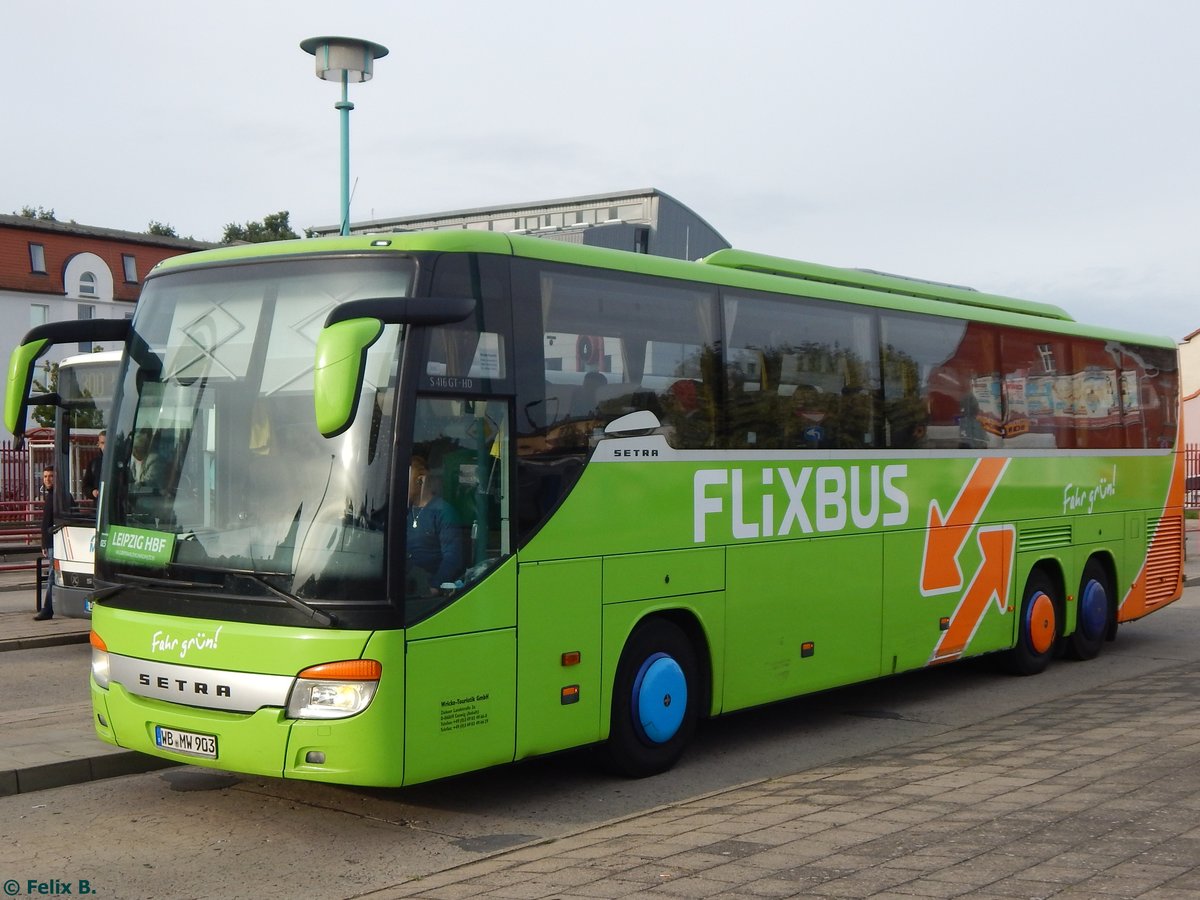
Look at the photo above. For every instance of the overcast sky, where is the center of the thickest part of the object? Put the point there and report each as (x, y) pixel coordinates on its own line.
(1047, 149)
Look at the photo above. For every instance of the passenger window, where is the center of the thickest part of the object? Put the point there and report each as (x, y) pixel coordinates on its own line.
(616, 345)
(799, 374)
(926, 395)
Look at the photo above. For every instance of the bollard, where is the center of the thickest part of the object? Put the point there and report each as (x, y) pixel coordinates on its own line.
(37, 606)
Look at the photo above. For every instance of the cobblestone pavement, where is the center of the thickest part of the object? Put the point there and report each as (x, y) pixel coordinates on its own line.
(1094, 797)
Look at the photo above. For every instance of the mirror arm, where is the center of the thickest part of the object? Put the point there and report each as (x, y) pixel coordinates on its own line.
(404, 310)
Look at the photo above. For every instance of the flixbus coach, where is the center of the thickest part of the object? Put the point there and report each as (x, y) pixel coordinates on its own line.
(424, 503)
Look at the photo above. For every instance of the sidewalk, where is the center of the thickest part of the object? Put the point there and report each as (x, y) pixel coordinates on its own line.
(1081, 797)
(55, 745)
(18, 603)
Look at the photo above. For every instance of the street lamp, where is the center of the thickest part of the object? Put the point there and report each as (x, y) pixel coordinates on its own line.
(344, 59)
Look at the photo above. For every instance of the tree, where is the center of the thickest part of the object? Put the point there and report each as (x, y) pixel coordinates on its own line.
(161, 229)
(44, 413)
(32, 212)
(274, 227)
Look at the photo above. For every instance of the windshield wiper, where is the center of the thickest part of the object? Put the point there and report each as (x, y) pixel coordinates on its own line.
(113, 589)
(105, 592)
(317, 615)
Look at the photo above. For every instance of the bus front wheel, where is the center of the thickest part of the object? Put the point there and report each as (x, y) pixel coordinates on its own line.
(1038, 627)
(654, 704)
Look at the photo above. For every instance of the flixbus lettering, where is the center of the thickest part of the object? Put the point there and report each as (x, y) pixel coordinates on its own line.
(811, 499)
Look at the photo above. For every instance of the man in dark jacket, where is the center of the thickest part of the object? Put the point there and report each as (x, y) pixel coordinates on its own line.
(47, 610)
(91, 475)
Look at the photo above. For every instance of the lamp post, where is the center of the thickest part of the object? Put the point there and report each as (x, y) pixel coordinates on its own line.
(344, 59)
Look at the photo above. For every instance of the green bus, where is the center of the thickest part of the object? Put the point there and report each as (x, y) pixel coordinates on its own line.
(383, 509)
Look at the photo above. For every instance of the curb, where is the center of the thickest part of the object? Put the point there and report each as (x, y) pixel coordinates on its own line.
(78, 771)
(43, 640)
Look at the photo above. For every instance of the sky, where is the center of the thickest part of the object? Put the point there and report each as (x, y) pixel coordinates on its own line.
(1048, 150)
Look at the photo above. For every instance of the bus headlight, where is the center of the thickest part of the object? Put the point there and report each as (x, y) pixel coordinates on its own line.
(334, 690)
(99, 660)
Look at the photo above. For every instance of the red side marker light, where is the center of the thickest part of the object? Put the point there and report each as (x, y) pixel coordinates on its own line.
(571, 658)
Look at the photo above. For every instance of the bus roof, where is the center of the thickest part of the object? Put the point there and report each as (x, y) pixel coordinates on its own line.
(881, 281)
(725, 267)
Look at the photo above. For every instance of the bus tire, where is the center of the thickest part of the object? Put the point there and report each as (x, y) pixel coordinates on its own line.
(1095, 613)
(655, 700)
(1038, 626)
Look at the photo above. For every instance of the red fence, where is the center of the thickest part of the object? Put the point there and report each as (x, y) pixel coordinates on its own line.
(20, 494)
(1191, 469)
(21, 469)
(14, 473)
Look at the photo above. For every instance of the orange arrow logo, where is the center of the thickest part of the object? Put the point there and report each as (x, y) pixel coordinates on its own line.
(991, 581)
(945, 537)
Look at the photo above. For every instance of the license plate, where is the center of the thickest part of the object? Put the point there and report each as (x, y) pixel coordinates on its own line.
(186, 742)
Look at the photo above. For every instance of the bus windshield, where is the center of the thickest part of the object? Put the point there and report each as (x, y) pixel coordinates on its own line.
(219, 478)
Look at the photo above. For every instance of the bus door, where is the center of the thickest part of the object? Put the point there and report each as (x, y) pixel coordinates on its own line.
(459, 590)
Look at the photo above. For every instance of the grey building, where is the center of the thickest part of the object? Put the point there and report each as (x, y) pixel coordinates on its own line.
(642, 221)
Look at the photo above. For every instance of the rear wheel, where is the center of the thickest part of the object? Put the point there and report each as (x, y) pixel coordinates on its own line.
(1094, 614)
(655, 699)
(1038, 627)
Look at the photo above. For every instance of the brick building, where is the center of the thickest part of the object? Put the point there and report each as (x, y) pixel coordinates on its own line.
(54, 271)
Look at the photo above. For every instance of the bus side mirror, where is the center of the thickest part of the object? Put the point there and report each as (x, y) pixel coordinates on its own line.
(350, 329)
(37, 341)
(20, 381)
(635, 423)
(338, 374)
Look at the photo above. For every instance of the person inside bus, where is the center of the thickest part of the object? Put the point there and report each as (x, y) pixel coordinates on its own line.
(435, 534)
(587, 401)
(145, 466)
(91, 475)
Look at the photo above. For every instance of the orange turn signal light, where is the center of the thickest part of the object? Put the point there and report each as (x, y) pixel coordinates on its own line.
(346, 670)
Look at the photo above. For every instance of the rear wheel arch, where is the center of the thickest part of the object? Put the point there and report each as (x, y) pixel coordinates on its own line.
(690, 625)
(1106, 559)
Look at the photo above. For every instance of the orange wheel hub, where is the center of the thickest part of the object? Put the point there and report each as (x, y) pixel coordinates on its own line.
(1041, 623)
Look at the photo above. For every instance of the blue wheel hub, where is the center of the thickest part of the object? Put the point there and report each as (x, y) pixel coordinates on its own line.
(1093, 610)
(660, 696)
